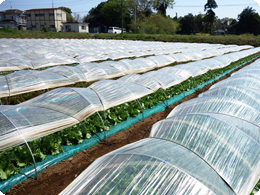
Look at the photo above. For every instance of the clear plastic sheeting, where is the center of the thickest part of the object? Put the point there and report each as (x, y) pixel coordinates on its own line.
(89, 72)
(165, 79)
(218, 104)
(162, 60)
(20, 123)
(96, 71)
(246, 95)
(17, 54)
(61, 108)
(233, 154)
(142, 80)
(113, 93)
(150, 166)
(74, 102)
(29, 80)
(72, 73)
(242, 81)
(177, 71)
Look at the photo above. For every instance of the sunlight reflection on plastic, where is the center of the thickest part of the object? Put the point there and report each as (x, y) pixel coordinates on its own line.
(1, 1)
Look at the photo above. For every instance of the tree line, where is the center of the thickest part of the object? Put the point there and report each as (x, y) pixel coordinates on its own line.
(150, 17)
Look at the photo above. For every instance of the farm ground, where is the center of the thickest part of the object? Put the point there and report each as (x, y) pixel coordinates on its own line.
(56, 178)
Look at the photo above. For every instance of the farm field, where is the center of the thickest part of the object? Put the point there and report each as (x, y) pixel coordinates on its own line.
(109, 100)
(61, 174)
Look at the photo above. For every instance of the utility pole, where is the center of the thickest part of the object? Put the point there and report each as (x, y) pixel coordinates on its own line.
(122, 25)
(135, 16)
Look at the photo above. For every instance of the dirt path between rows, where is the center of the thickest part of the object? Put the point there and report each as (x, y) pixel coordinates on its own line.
(56, 178)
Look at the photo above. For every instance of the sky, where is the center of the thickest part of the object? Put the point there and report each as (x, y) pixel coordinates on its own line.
(225, 8)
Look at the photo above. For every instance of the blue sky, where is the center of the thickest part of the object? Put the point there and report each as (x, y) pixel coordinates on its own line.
(225, 8)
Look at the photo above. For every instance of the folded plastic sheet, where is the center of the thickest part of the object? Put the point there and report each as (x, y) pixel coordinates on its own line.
(218, 104)
(150, 166)
(233, 154)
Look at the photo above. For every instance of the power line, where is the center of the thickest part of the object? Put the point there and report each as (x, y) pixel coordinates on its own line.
(227, 5)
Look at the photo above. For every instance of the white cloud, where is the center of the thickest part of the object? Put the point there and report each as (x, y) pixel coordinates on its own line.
(257, 1)
(1, 1)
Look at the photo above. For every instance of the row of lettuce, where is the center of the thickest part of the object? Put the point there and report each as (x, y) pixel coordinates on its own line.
(208, 145)
(19, 123)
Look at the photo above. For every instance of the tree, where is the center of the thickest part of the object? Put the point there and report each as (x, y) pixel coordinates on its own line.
(199, 23)
(210, 14)
(187, 24)
(68, 13)
(77, 18)
(162, 5)
(94, 15)
(142, 7)
(157, 24)
(111, 12)
(248, 21)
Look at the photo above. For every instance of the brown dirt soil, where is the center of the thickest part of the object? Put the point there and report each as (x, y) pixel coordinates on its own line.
(57, 177)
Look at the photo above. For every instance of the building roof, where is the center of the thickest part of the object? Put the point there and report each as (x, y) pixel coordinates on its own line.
(42, 9)
(75, 23)
(8, 22)
(13, 11)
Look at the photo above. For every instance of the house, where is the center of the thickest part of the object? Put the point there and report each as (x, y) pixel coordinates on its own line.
(13, 18)
(75, 27)
(219, 32)
(52, 18)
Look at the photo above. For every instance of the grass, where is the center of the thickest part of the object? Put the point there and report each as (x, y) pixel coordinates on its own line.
(221, 39)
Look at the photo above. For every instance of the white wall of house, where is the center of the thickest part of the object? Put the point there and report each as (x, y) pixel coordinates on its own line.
(76, 27)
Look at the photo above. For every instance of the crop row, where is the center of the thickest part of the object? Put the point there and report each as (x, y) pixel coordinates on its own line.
(207, 145)
(18, 54)
(31, 81)
(11, 160)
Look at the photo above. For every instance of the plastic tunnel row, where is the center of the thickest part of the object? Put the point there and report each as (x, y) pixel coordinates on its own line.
(18, 54)
(207, 145)
(30, 80)
(63, 107)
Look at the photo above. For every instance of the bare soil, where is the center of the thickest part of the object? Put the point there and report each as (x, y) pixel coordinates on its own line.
(57, 177)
